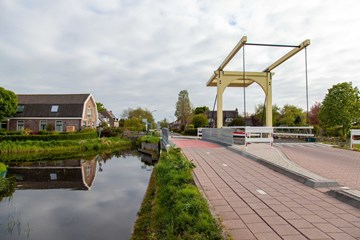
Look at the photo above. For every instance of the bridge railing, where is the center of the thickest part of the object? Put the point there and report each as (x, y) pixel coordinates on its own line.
(293, 131)
(259, 135)
(239, 135)
(222, 135)
(354, 137)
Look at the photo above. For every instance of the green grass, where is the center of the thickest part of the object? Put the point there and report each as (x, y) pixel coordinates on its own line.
(148, 139)
(173, 207)
(7, 187)
(10, 149)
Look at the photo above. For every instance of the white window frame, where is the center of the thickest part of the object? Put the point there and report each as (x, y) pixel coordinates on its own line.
(20, 127)
(84, 123)
(58, 127)
(40, 125)
(89, 112)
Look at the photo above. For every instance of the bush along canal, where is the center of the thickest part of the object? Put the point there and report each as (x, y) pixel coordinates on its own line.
(93, 198)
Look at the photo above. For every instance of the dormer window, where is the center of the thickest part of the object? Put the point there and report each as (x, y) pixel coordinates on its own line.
(20, 108)
(54, 108)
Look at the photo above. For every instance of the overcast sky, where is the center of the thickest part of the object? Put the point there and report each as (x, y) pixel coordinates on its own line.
(142, 53)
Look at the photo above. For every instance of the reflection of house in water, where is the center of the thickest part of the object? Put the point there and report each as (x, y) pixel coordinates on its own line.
(67, 174)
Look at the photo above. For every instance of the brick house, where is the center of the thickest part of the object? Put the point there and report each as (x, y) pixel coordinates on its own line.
(228, 117)
(109, 118)
(61, 112)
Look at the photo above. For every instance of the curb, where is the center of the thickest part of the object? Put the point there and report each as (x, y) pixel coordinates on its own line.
(346, 196)
(289, 173)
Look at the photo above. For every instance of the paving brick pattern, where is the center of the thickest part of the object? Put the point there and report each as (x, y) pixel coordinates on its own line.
(332, 163)
(255, 202)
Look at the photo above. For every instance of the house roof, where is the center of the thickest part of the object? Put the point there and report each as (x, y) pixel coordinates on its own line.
(40, 105)
(52, 98)
(108, 114)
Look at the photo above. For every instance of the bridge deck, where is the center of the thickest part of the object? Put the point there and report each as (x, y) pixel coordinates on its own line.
(255, 202)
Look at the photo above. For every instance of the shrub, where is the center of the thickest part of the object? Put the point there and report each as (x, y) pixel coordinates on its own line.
(111, 132)
(191, 132)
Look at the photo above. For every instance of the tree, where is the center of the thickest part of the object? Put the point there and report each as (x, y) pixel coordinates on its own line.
(8, 103)
(340, 107)
(100, 107)
(314, 114)
(138, 114)
(200, 120)
(183, 109)
(292, 116)
(238, 121)
(134, 124)
(259, 117)
(202, 109)
(164, 123)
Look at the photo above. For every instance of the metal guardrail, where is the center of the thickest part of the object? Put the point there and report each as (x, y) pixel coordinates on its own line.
(354, 137)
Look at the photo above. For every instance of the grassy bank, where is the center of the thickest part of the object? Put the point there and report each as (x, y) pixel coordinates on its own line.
(173, 207)
(8, 148)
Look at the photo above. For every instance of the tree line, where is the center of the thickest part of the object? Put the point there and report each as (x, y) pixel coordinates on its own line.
(339, 109)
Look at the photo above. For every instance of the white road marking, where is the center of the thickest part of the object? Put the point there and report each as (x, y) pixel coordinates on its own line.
(261, 192)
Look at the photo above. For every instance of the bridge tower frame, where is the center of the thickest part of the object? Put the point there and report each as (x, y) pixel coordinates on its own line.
(223, 79)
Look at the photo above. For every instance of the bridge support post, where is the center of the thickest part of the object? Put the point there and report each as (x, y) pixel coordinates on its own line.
(268, 94)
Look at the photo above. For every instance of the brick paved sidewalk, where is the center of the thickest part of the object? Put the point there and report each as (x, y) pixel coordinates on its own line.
(255, 202)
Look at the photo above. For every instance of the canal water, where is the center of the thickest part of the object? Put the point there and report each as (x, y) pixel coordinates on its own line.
(75, 199)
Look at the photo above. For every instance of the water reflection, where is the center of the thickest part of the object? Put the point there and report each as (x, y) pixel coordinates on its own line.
(75, 199)
(63, 174)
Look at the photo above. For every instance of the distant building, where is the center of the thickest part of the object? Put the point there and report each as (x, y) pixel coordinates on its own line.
(228, 117)
(108, 118)
(60, 112)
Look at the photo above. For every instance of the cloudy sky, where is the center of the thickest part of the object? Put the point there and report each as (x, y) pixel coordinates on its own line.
(142, 53)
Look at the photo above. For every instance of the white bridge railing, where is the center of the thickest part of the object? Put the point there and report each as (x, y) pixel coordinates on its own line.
(245, 135)
(294, 131)
(354, 137)
(259, 135)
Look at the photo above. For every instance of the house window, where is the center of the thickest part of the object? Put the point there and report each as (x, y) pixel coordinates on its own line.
(89, 114)
(59, 126)
(54, 108)
(20, 108)
(20, 125)
(84, 123)
(42, 125)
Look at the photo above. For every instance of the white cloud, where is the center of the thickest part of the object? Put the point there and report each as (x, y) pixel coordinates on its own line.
(143, 53)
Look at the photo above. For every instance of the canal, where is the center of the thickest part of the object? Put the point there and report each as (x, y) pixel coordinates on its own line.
(96, 198)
